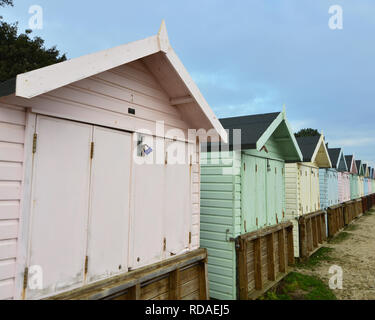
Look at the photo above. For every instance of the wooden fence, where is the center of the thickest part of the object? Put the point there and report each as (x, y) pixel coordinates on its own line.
(312, 232)
(263, 259)
(335, 218)
(368, 202)
(343, 214)
(358, 208)
(180, 278)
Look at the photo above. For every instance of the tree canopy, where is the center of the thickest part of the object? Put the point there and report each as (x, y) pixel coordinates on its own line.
(4, 3)
(20, 53)
(308, 132)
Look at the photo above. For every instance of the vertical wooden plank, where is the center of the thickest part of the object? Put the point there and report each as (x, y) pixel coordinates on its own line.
(243, 269)
(319, 228)
(203, 281)
(135, 292)
(258, 264)
(303, 237)
(309, 235)
(271, 257)
(174, 285)
(290, 246)
(324, 227)
(314, 232)
(282, 256)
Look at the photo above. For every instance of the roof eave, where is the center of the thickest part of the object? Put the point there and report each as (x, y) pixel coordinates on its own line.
(271, 129)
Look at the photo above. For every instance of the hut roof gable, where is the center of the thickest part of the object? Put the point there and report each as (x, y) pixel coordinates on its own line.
(315, 151)
(350, 161)
(359, 165)
(337, 159)
(257, 130)
(156, 53)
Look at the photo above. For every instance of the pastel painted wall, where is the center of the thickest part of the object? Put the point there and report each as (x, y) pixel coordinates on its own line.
(354, 187)
(329, 188)
(240, 192)
(101, 100)
(12, 136)
(302, 194)
(344, 186)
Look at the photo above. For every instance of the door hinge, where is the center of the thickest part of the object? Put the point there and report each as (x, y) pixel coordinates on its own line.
(92, 150)
(25, 278)
(165, 244)
(86, 264)
(35, 138)
(189, 237)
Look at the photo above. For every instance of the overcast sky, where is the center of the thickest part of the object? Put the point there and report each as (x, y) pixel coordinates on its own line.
(247, 57)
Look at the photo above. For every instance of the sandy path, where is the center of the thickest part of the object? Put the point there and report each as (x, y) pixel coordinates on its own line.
(356, 256)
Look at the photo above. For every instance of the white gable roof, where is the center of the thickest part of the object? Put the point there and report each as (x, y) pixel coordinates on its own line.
(40, 81)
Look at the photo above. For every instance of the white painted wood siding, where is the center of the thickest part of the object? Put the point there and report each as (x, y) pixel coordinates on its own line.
(12, 131)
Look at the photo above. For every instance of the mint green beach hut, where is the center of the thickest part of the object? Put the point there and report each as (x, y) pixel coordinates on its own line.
(243, 190)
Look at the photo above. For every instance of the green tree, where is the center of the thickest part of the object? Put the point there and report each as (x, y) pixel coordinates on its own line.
(4, 3)
(20, 53)
(308, 132)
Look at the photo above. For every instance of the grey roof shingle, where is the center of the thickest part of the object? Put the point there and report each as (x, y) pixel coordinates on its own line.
(308, 146)
(349, 160)
(252, 127)
(334, 156)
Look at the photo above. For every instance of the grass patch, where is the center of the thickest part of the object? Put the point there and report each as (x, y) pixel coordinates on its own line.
(351, 227)
(342, 236)
(323, 254)
(297, 286)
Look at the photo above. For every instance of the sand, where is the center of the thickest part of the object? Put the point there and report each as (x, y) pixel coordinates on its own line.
(356, 256)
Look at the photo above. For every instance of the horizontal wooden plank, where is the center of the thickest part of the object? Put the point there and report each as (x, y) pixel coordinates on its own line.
(12, 133)
(8, 229)
(7, 269)
(9, 210)
(10, 190)
(6, 289)
(8, 249)
(10, 171)
(154, 289)
(11, 152)
(12, 116)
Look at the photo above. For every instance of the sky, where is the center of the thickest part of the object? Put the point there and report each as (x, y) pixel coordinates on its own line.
(246, 56)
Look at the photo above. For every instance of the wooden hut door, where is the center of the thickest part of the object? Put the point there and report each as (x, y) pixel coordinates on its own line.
(178, 202)
(261, 192)
(315, 190)
(305, 189)
(147, 234)
(254, 193)
(249, 194)
(60, 193)
(108, 241)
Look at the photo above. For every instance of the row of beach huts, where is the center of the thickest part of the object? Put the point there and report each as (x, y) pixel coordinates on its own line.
(117, 181)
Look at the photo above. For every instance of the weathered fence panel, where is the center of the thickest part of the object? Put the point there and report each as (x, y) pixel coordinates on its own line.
(263, 259)
(312, 232)
(336, 220)
(180, 278)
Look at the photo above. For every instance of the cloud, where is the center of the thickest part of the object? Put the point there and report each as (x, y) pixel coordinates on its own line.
(355, 142)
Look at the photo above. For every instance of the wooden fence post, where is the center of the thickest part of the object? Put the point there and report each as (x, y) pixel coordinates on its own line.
(281, 245)
(271, 257)
(258, 264)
